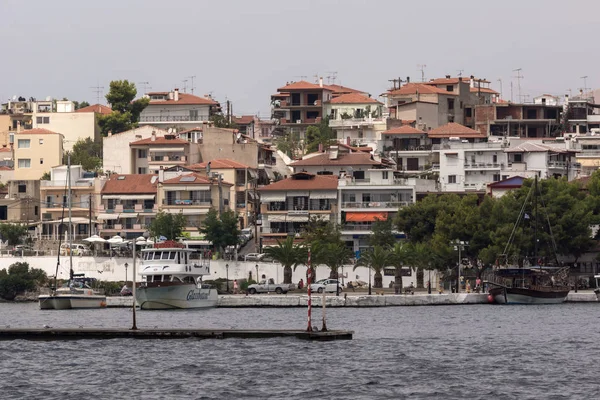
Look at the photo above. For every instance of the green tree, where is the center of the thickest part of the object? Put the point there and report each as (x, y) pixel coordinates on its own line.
(19, 278)
(317, 135)
(375, 259)
(400, 257)
(289, 255)
(221, 121)
(79, 105)
(222, 230)
(86, 153)
(45, 176)
(334, 256)
(289, 144)
(382, 234)
(167, 225)
(12, 232)
(126, 110)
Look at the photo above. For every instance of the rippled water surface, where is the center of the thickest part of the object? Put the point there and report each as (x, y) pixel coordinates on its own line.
(445, 352)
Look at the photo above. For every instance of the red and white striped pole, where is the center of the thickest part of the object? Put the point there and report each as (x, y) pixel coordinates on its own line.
(308, 278)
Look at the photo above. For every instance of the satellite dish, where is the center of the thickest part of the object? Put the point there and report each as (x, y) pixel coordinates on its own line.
(170, 130)
(14, 97)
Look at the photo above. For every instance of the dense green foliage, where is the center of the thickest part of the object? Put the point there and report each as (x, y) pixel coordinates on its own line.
(317, 135)
(12, 232)
(87, 153)
(167, 225)
(221, 230)
(289, 144)
(126, 110)
(20, 278)
(289, 255)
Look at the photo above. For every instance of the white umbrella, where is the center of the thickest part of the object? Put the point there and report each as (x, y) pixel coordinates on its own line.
(115, 239)
(95, 239)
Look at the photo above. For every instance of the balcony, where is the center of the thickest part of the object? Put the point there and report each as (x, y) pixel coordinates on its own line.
(357, 122)
(62, 184)
(174, 118)
(267, 161)
(186, 202)
(357, 227)
(483, 166)
(167, 159)
(312, 207)
(376, 204)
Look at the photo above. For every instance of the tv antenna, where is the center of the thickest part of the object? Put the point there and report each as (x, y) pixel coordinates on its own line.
(421, 68)
(192, 79)
(331, 77)
(98, 91)
(146, 87)
(460, 71)
(302, 77)
(184, 85)
(585, 88)
(519, 77)
(500, 82)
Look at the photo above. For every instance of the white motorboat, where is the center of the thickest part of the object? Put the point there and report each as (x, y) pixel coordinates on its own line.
(172, 279)
(77, 293)
(597, 290)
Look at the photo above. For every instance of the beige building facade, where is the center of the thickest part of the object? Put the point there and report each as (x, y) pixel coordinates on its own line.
(36, 152)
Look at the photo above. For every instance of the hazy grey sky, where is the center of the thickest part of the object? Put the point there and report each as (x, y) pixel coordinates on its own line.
(243, 50)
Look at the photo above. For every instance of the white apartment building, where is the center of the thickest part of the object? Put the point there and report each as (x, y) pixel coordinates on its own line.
(177, 110)
(118, 156)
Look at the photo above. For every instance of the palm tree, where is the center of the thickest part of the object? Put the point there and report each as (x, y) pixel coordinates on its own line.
(400, 255)
(421, 257)
(376, 259)
(334, 256)
(288, 254)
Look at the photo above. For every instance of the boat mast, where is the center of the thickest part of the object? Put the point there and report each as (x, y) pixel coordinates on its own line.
(535, 245)
(70, 225)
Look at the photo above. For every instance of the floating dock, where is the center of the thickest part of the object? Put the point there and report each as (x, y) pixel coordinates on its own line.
(112, 333)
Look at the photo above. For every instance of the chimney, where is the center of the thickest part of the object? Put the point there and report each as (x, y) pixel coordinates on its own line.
(472, 81)
(170, 95)
(320, 147)
(447, 76)
(153, 137)
(321, 82)
(348, 140)
(109, 133)
(161, 175)
(18, 126)
(176, 95)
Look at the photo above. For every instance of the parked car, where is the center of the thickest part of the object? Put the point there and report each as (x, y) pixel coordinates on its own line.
(264, 287)
(248, 232)
(326, 285)
(24, 250)
(254, 257)
(78, 249)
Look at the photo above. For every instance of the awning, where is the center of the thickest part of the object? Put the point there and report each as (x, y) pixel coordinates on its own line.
(190, 188)
(128, 215)
(270, 197)
(270, 173)
(128, 196)
(323, 195)
(106, 217)
(594, 162)
(165, 149)
(366, 216)
(187, 211)
(287, 218)
(253, 173)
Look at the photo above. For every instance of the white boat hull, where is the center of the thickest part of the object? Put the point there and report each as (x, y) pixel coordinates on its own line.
(68, 302)
(175, 297)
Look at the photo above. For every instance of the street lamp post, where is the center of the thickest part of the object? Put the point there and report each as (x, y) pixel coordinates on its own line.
(256, 273)
(227, 276)
(429, 280)
(369, 280)
(460, 246)
(126, 265)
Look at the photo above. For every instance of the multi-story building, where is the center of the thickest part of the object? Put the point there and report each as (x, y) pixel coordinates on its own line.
(246, 125)
(177, 110)
(162, 152)
(518, 120)
(244, 181)
(128, 204)
(36, 151)
(193, 195)
(21, 203)
(118, 157)
(409, 147)
(356, 119)
(546, 160)
(336, 162)
(288, 204)
(55, 201)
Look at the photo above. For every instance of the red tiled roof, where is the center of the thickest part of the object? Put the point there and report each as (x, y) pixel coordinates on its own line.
(341, 89)
(198, 128)
(343, 159)
(134, 183)
(304, 181)
(184, 98)
(38, 131)
(453, 129)
(197, 180)
(353, 98)
(5, 168)
(404, 130)
(244, 119)
(301, 85)
(96, 108)
(353, 148)
(159, 140)
(483, 90)
(422, 88)
(5, 149)
(222, 163)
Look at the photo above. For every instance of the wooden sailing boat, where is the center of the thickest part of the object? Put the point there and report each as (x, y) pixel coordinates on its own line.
(76, 294)
(532, 283)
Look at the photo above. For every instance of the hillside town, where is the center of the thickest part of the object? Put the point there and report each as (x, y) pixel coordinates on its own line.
(329, 151)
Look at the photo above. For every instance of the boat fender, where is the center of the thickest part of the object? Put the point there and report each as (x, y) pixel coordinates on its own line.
(490, 299)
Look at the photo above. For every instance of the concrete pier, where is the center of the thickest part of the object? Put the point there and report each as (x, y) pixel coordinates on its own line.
(354, 299)
(99, 333)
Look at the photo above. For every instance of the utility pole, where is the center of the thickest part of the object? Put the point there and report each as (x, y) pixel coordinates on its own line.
(585, 88)
(421, 68)
(519, 77)
(192, 79)
(90, 205)
(220, 194)
(146, 87)
(500, 81)
(98, 91)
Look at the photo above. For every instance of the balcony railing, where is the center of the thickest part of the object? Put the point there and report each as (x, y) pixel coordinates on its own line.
(173, 118)
(156, 158)
(323, 207)
(357, 227)
(376, 204)
(337, 123)
(484, 165)
(267, 161)
(186, 202)
(61, 184)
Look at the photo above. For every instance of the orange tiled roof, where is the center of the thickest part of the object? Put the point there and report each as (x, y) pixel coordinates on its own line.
(198, 128)
(159, 140)
(341, 89)
(96, 108)
(184, 98)
(5, 168)
(244, 119)
(301, 85)
(221, 163)
(422, 88)
(192, 179)
(343, 159)
(304, 181)
(5, 149)
(453, 129)
(133, 183)
(353, 98)
(404, 130)
(38, 131)
(483, 90)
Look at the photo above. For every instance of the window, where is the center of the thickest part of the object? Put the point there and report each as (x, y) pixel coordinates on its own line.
(43, 120)
(451, 104)
(468, 112)
(384, 174)
(142, 153)
(41, 160)
(496, 177)
(494, 158)
(449, 88)
(141, 171)
(24, 163)
(518, 158)
(22, 188)
(450, 118)
(451, 178)
(35, 210)
(23, 143)
(41, 141)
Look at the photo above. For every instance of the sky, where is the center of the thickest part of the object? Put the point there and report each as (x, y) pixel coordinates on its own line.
(243, 50)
